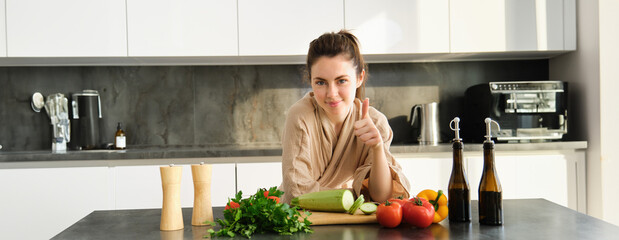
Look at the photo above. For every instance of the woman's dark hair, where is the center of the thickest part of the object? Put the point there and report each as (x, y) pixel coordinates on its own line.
(333, 44)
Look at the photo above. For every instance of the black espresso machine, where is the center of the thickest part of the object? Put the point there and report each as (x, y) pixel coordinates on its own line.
(527, 111)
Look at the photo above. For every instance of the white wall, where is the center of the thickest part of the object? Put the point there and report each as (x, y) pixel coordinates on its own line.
(592, 74)
(609, 111)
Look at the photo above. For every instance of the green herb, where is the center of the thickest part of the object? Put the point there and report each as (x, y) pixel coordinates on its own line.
(259, 214)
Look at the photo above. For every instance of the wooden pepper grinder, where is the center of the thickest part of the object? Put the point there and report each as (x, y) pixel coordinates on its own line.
(202, 208)
(171, 213)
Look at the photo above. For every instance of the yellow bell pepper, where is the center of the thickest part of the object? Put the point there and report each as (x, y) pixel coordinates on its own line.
(439, 201)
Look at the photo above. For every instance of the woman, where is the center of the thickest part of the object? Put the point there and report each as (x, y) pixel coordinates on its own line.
(332, 137)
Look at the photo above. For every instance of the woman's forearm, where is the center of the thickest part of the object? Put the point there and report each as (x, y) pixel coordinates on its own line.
(380, 183)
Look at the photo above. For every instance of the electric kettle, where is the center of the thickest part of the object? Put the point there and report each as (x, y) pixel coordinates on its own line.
(86, 113)
(427, 117)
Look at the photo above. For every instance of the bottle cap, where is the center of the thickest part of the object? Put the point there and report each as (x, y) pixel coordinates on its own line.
(456, 128)
(489, 122)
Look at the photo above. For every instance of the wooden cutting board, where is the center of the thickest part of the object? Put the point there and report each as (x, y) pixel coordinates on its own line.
(330, 218)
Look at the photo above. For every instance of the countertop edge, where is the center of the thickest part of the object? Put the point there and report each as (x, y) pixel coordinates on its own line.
(164, 156)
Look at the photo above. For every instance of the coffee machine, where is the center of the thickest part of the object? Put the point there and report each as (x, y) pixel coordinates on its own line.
(527, 111)
(85, 117)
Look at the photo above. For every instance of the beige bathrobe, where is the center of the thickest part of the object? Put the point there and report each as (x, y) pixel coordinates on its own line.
(315, 159)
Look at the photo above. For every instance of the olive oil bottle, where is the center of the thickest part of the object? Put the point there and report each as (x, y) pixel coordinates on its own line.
(459, 196)
(490, 192)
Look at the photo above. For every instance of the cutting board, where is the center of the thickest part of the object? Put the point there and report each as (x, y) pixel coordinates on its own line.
(330, 218)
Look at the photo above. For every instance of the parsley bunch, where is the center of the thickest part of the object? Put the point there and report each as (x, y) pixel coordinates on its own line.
(259, 214)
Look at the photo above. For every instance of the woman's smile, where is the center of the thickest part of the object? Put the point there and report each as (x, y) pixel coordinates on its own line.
(334, 104)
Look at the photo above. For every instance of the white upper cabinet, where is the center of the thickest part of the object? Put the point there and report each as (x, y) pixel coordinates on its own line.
(66, 28)
(188, 32)
(182, 28)
(399, 26)
(2, 29)
(512, 25)
(283, 27)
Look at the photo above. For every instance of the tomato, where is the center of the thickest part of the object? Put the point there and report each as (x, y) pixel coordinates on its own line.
(418, 212)
(266, 194)
(232, 204)
(274, 198)
(389, 214)
(399, 200)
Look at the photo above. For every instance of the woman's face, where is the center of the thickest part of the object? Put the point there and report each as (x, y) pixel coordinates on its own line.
(334, 82)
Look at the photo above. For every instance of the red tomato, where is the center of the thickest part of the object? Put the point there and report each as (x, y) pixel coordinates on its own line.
(418, 212)
(232, 204)
(274, 198)
(389, 214)
(266, 194)
(399, 200)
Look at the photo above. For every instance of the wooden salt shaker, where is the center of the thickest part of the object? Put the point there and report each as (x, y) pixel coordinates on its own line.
(202, 208)
(171, 214)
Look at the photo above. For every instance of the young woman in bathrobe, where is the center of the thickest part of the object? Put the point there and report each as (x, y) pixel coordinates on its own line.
(332, 138)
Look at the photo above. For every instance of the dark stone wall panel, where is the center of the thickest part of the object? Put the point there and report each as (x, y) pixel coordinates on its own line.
(163, 106)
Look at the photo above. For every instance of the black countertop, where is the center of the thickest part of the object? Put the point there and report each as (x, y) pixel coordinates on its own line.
(523, 219)
(251, 151)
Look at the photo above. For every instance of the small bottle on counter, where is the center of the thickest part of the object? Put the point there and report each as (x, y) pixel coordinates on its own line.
(490, 192)
(120, 141)
(458, 190)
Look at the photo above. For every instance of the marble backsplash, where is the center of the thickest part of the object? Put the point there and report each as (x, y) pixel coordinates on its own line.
(168, 106)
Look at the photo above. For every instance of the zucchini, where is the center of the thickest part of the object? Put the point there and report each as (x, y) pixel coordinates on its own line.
(368, 208)
(356, 204)
(336, 200)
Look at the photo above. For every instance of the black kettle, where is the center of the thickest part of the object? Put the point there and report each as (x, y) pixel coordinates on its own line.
(85, 117)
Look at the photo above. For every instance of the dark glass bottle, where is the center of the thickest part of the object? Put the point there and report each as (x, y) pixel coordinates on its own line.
(120, 140)
(459, 196)
(490, 191)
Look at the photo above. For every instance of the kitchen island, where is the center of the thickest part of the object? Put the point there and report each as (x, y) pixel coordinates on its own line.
(523, 219)
(79, 182)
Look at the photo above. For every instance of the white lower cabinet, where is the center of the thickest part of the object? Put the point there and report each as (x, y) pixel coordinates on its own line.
(526, 176)
(39, 203)
(52, 199)
(253, 176)
(426, 173)
(140, 186)
(522, 176)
